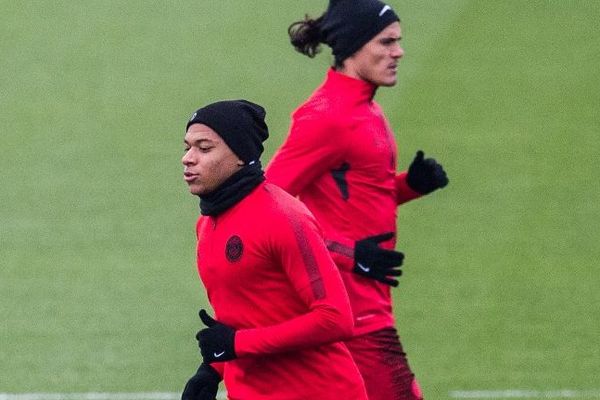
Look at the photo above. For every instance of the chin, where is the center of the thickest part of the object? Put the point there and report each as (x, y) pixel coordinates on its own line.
(391, 81)
(197, 191)
(385, 83)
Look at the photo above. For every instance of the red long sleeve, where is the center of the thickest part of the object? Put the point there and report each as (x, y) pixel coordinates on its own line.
(404, 193)
(268, 274)
(297, 246)
(340, 159)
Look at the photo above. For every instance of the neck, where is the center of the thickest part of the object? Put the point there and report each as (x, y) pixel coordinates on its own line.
(349, 72)
(232, 191)
(350, 83)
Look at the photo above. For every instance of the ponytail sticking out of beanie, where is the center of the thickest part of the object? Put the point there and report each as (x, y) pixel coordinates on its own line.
(346, 26)
(305, 36)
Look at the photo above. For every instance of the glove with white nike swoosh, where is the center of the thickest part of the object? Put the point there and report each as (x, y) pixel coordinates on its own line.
(217, 341)
(373, 262)
(425, 174)
(204, 385)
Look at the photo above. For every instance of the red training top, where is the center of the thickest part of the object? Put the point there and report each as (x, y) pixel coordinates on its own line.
(340, 160)
(269, 275)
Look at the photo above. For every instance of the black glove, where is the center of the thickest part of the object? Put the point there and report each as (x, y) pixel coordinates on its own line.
(425, 175)
(217, 341)
(202, 386)
(372, 261)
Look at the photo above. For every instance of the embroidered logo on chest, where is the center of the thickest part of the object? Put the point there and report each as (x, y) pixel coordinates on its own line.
(234, 248)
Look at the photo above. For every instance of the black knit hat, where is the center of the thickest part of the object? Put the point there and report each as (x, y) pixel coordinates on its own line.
(348, 25)
(240, 123)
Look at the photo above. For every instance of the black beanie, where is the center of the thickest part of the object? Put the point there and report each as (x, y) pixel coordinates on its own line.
(240, 123)
(348, 25)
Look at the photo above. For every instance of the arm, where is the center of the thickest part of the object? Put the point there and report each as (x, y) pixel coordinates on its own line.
(366, 258)
(404, 193)
(342, 252)
(300, 250)
(297, 247)
(312, 149)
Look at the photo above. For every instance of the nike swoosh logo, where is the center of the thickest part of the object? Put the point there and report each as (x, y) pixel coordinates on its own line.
(384, 10)
(217, 355)
(366, 269)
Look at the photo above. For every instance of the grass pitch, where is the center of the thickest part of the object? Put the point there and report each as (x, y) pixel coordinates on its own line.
(97, 279)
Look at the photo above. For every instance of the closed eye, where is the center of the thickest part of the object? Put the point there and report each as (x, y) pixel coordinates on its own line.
(389, 41)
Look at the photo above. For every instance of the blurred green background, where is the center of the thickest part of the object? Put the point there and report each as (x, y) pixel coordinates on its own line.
(98, 285)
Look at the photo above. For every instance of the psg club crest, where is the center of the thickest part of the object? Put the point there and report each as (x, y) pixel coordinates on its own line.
(234, 248)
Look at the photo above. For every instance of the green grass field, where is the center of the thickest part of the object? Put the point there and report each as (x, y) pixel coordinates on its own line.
(98, 285)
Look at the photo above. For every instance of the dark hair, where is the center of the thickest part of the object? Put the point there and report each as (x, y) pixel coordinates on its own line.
(337, 63)
(305, 35)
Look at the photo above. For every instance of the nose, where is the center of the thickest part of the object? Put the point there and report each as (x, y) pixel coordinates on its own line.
(187, 158)
(398, 51)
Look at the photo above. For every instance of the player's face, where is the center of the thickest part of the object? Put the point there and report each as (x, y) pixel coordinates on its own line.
(208, 161)
(377, 61)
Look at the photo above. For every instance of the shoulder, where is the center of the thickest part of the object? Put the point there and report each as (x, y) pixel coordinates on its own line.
(376, 108)
(321, 119)
(285, 207)
(201, 224)
(322, 106)
(289, 222)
